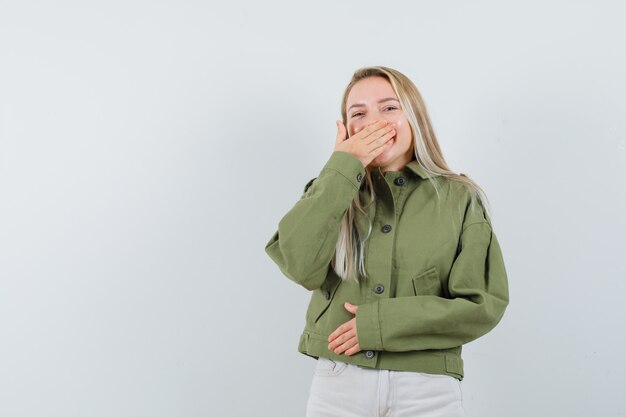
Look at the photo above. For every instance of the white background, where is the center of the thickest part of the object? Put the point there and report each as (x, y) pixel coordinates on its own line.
(149, 149)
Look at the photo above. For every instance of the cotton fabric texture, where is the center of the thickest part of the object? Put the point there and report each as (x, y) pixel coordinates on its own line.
(346, 390)
(437, 278)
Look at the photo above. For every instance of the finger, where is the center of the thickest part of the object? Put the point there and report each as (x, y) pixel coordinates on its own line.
(354, 349)
(340, 330)
(337, 340)
(380, 133)
(371, 128)
(348, 334)
(341, 132)
(338, 348)
(380, 145)
(333, 345)
(345, 346)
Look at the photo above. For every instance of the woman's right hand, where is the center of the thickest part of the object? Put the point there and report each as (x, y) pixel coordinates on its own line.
(366, 145)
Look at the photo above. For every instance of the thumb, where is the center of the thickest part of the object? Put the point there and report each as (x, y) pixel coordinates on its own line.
(350, 307)
(341, 132)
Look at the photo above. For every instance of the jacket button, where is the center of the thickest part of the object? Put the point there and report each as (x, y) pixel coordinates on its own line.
(369, 354)
(327, 294)
(359, 177)
(386, 228)
(379, 288)
(400, 181)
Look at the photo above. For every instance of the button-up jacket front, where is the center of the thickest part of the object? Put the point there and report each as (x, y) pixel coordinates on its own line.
(436, 275)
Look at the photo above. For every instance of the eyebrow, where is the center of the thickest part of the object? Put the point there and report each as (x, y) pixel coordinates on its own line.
(381, 101)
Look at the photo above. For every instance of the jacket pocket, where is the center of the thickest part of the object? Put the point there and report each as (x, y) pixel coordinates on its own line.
(428, 283)
(322, 297)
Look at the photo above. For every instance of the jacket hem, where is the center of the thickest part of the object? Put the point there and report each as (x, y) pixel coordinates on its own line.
(428, 361)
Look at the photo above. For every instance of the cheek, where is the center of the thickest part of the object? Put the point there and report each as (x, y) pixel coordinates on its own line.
(351, 129)
(403, 128)
(401, 123)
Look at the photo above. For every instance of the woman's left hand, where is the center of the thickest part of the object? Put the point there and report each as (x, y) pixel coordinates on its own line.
(345, 337)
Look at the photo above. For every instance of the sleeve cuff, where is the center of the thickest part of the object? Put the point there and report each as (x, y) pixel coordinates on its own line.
(368, 327)
(347, 165)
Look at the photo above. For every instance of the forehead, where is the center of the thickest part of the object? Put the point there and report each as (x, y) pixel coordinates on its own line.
(369, 89)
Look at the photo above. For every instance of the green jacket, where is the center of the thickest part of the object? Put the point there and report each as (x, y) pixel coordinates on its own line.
(436, 281)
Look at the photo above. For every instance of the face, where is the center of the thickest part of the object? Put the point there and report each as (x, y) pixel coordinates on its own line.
(365, 105)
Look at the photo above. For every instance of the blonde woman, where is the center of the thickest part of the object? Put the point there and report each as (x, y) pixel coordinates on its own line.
(400, 256)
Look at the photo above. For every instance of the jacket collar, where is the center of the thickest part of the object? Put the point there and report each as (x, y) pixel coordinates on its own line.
(412, 166)
(416, 168)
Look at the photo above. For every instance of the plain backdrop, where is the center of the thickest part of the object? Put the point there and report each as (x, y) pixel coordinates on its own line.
(149, 149)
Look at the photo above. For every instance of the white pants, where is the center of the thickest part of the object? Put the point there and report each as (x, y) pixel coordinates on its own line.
(340, 389)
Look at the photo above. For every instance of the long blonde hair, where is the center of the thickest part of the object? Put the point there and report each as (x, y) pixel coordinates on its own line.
(348, 260)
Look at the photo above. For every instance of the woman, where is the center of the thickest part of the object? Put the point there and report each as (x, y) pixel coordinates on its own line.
(400, 256)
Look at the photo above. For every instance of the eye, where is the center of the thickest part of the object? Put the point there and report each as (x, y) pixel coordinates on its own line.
(388, 107)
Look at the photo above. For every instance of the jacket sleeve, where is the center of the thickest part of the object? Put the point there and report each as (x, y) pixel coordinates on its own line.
(479, 295)
(304, 244)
